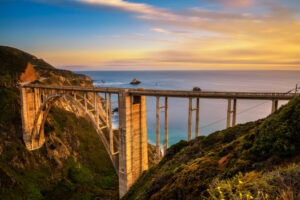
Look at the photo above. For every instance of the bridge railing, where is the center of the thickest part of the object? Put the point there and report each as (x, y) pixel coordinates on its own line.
(175, 93)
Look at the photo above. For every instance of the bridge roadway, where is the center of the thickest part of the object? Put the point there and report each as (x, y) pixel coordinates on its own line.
(175, 93)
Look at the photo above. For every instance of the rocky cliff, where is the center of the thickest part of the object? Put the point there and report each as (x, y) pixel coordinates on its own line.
(73, 163)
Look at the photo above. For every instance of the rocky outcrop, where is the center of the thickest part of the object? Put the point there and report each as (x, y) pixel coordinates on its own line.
(197, 89)
(135, 81)
(29, 75)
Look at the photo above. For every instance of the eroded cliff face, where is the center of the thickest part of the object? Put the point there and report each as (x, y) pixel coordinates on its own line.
(29, 75)
(72, 163)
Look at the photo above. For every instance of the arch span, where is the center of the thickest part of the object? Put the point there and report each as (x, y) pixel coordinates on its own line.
(131, 158)
(34, 137)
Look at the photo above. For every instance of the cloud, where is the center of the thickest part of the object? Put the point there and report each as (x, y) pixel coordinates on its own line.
(138, 8)
(233, 3)
(160, 30)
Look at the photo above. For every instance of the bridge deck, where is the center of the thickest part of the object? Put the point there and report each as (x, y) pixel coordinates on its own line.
(176, 93)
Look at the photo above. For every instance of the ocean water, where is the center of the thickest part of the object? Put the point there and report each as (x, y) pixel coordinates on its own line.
(213, 111)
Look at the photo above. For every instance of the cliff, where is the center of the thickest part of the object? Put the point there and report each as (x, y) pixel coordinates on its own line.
(73, 163)
(256, 160)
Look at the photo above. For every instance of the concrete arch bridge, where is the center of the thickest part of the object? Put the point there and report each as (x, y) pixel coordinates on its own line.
(128, 148)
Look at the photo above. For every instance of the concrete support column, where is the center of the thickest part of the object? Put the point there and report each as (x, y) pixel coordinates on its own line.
(231, 110)
(106, 107)
(234, 113)
(96, 109)
(157, 129)
(166, 125)
(197, 117)
(228, 113)
(33, 132)
(109, 125)
(190, 120)
(143, 136)
(133, 153)
(274, 105)
(24, 115)
(125, 164)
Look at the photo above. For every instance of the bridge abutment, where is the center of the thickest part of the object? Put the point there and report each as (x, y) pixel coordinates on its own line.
(133, 149)
(33, 133)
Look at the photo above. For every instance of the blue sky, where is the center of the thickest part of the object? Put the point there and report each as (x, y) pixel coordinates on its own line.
(155, 34)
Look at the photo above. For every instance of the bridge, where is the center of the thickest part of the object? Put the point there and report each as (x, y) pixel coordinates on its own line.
(127, 149)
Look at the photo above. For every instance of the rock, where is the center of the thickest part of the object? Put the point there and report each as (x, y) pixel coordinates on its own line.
(115, 110)
(197, 89)
(135, 81)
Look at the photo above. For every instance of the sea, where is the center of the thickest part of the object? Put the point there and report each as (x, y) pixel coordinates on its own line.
(212, 111)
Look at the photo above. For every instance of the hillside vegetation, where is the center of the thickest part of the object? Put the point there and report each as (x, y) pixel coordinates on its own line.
(256, 160)
(73, 163)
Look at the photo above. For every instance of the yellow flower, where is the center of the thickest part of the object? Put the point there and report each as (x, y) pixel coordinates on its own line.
(266, 196)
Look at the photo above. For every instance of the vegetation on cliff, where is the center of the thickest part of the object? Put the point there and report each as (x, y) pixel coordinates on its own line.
(73, 163)
(237, 163)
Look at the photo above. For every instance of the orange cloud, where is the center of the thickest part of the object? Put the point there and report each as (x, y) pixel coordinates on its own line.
(237, 3)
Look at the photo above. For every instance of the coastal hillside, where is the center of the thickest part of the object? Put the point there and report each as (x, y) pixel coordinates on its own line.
(256, 160)
(72, 164)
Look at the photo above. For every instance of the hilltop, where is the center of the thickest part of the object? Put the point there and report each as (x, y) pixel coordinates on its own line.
(256, 160)
(72, 164)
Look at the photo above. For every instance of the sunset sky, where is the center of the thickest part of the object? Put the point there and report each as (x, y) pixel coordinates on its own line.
(155, 34)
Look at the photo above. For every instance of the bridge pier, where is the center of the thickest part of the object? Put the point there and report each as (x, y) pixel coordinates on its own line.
(166, 128)
(157, 138)
(166, 125)
(133, 144)
(231, 110)
(190, 118)
(33, 133)
(274, 105)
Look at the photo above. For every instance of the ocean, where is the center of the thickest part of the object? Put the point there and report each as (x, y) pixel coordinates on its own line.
(213, 111)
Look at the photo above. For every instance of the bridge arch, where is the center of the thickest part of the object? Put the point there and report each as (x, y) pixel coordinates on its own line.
(38, 108)
(45, 108)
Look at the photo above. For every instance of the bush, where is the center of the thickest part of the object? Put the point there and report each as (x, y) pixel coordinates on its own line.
(283, 183)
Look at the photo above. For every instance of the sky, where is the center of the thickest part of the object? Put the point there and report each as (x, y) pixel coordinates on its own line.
(156, 34)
